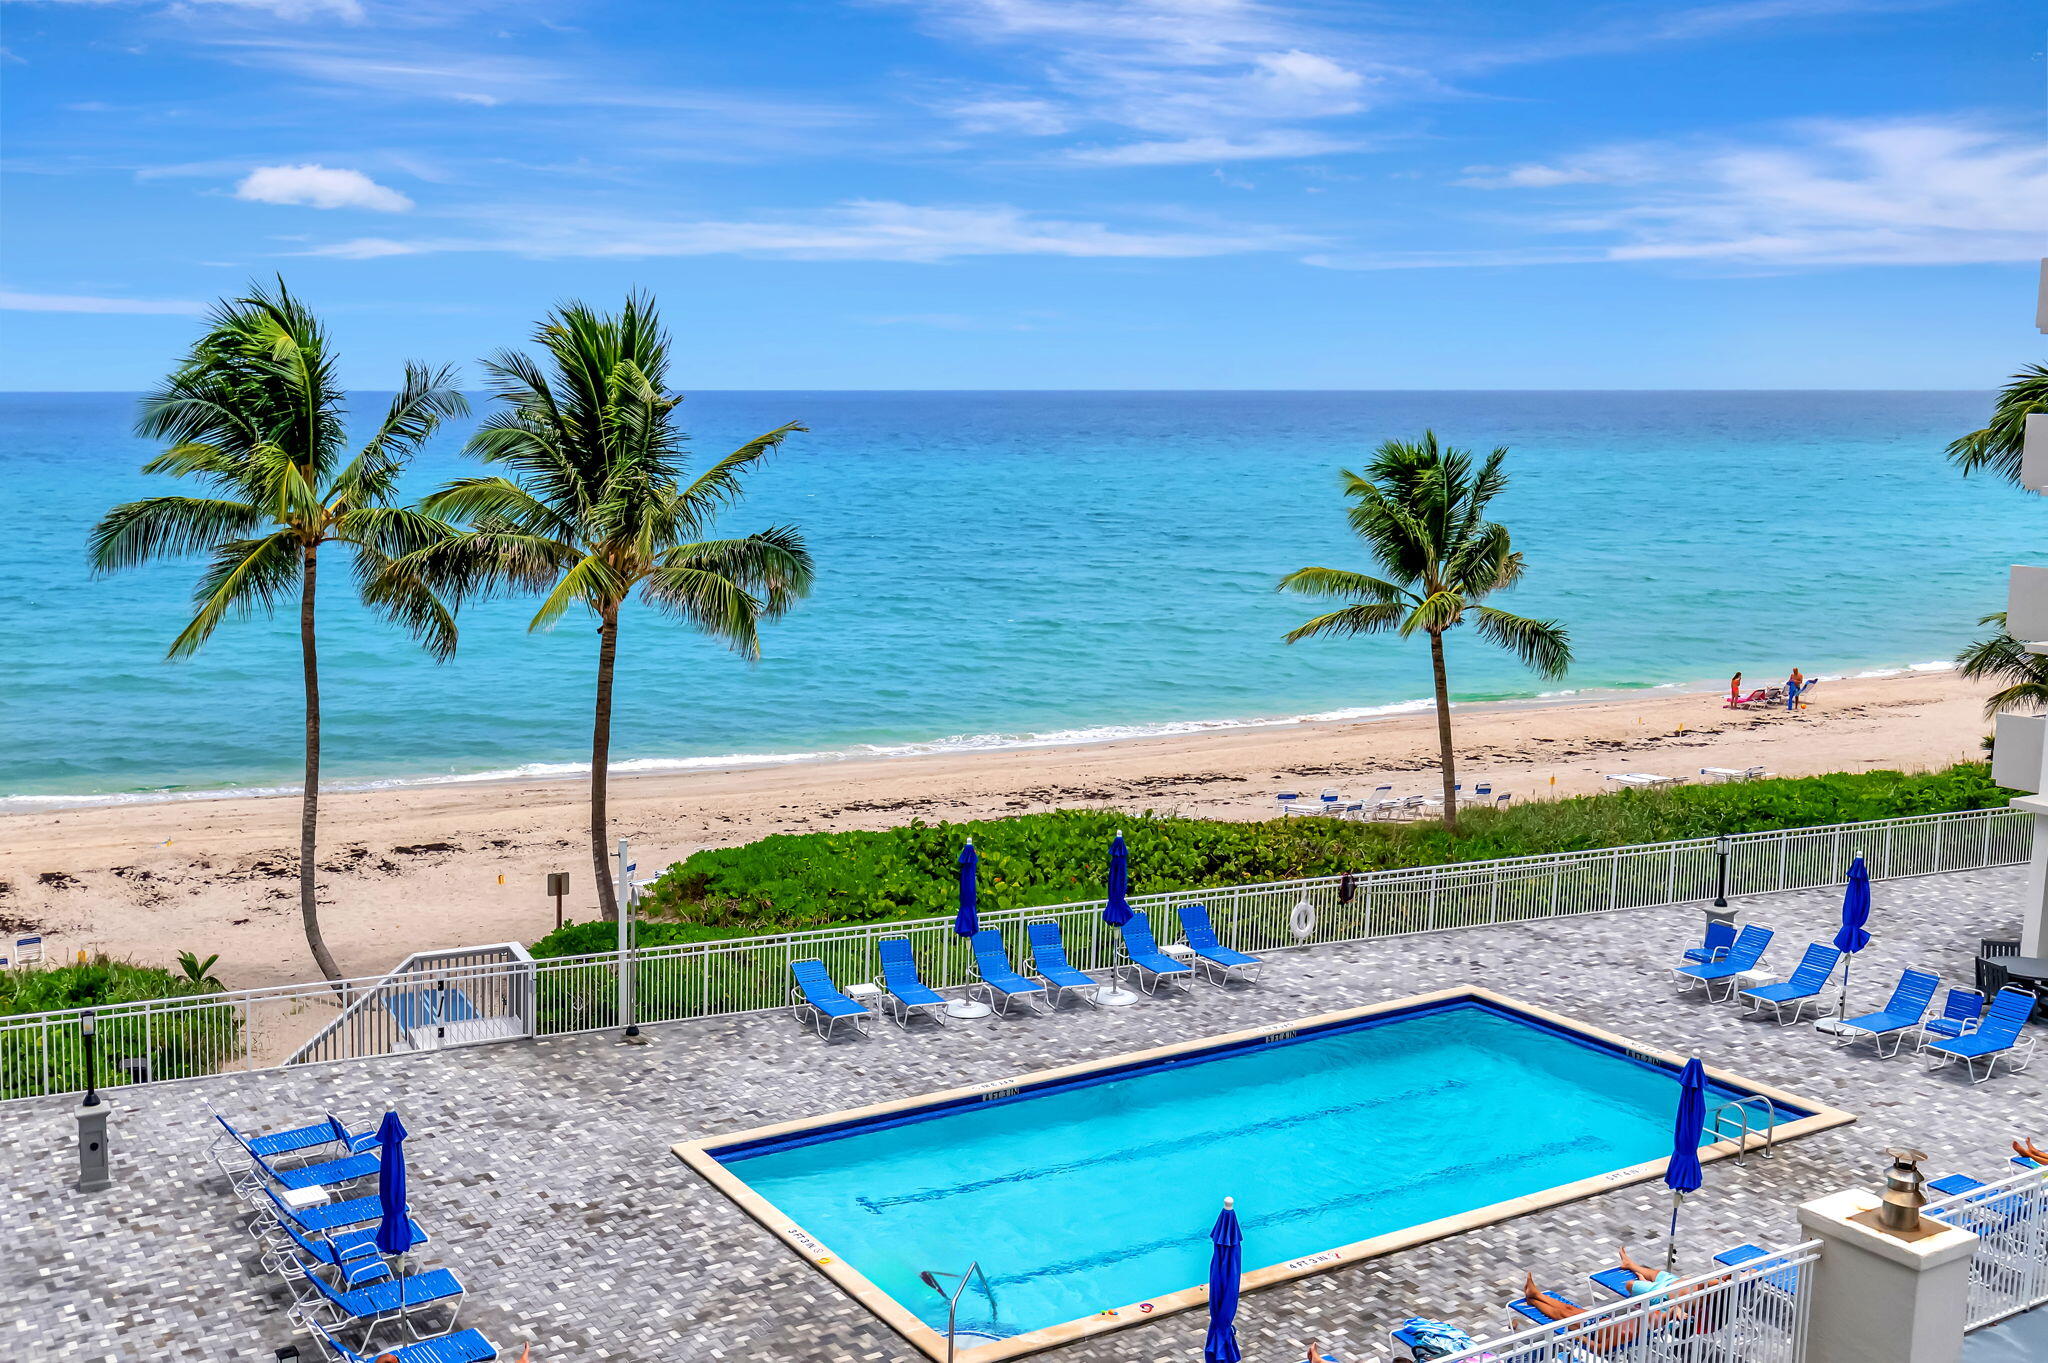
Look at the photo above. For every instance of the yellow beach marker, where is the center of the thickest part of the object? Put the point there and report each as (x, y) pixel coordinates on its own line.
(501, 880)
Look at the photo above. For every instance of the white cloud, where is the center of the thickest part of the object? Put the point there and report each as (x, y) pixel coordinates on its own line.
(1276, 145)
(319, 187)
(1877, 192)
(856, 230)
(76, 302)
(350, 10)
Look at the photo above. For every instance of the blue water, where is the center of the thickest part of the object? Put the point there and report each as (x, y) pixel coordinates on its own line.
(1099, 1197)
(1019, 567)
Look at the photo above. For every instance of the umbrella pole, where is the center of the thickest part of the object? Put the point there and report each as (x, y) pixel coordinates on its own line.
(1671, 1249)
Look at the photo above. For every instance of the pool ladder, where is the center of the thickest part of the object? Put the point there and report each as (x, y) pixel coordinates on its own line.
(1741, 1108)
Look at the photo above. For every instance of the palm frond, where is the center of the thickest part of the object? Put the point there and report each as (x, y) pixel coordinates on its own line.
(1543, 646)
(1351, 620)
(1996, 449)
(590, 582)
(245, 577)
(773, 566)
(1337, 583)
(167, 527)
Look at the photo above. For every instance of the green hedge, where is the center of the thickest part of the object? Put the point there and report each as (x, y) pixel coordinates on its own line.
(177, 1043)
(814, 880)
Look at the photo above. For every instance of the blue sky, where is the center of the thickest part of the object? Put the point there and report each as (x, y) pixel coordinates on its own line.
(1046, 193)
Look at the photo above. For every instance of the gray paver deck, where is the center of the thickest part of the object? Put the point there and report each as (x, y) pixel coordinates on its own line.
(542, 1169)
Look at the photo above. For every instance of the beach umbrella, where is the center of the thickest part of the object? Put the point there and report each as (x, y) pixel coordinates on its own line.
(1117, 911)
(394, 1230)
(1682, 1175)
(1855, 913)
(1226, 1270)
(965, 922)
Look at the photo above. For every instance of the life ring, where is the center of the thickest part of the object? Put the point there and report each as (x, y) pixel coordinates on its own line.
(1302, 921)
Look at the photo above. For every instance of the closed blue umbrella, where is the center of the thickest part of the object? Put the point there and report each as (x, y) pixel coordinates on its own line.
(1682, 1175)
(965, 922)
(1226, 1269)
(1117, 911)
(394, 1231)
(1855, 913)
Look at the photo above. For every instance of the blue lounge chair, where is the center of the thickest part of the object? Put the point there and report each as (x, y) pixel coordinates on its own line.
(1141, 951)
(394, 1298)
(1741, 957)
(417, 1009)
(2001, 1035)
(1527, 1315)
(1900, 1015)
(1212, 958)
(1784, 1280)
(903, 993)
(1811, 976)
(324, 1218)
(326, 1174)
(353, 1254)
(1002, 984)
(1613, 1281)
(465, 1346)
(1049, 962)
(301, 1141)
(1720, 936)
(815, 1001)
(1960, 1010)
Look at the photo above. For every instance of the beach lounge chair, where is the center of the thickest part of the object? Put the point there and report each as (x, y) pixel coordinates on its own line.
(1142, 953)
(1643, 780)
(1720, 936)
(2001, 1035)
(1811, 976)
(999, 980)
(399, 1297)
(1290, 803)
(904, 995)
(1212, 958)
(300, 1141)
(1784, 1281)
(464, 1346)
(1742, 956)
(327, 1219)
(352, 1255)
(817, 1002)
(1330, 799)
(1900, 1015)
(1725, 774)
(326, 1174)
(1049, 962)
(1613, 1281)
(1960, 1010)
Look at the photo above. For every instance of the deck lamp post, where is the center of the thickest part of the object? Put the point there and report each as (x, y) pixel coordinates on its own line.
(627, 1007)
(1723, 845)
(88, 1034)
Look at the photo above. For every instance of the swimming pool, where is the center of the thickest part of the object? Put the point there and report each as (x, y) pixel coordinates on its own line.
(1086, 1194)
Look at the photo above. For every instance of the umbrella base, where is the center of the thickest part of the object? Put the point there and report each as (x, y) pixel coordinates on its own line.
(967, 1009)
(1116, 996)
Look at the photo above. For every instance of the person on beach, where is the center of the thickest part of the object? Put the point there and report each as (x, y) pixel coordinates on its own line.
(1794, 684)
(1607, 1337)
(1316, 1356)
(1647, 1280)
(1735, 687)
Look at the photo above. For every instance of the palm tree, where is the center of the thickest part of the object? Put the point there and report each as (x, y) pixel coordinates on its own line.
(254, 413)
(1421, 510)
(1996, 448)
(1999, 657)
(596, 509)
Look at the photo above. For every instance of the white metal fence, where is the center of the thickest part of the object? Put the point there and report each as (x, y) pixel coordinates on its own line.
(2009, 1273)
(1756, 1313)
(424, 1002)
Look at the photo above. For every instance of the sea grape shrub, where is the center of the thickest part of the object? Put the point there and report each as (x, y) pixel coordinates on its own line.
(792, 882)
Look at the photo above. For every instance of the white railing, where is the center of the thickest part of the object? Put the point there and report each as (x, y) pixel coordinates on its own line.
(386, 1015)
(1753, 1314)
(431, 1000)
(2009, 1272)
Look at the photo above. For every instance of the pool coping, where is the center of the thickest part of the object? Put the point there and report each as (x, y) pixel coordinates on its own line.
(698, 1156)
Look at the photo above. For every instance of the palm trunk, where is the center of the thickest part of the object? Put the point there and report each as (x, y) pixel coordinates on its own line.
(309, 802)
(600, 761)
(1445, 756)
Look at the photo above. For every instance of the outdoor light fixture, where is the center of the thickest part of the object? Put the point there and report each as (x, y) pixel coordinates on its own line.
(1723, 845)
(88, 1033)
(1904, 1192)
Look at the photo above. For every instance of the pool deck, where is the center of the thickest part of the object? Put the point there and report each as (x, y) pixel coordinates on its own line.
(543, 1170)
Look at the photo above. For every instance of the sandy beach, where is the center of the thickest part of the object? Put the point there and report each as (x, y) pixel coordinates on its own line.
(416, 868)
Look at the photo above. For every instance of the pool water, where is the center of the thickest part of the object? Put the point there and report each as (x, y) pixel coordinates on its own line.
(1081, 1197)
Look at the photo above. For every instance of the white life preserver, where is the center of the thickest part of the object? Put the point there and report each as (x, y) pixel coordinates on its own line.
(1302, 921)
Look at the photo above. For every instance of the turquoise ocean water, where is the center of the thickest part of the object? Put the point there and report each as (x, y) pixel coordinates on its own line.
(1101, 1197)
(1003, 568)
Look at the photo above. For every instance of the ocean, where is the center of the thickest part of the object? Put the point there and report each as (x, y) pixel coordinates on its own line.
(1002, 569)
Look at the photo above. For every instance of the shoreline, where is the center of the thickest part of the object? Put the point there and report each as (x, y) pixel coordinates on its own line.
(422, 867)
(1091, 736)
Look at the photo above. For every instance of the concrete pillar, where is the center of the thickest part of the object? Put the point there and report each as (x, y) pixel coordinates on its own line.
(95, 1168)
(1880, 1298)
(2034, 903)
